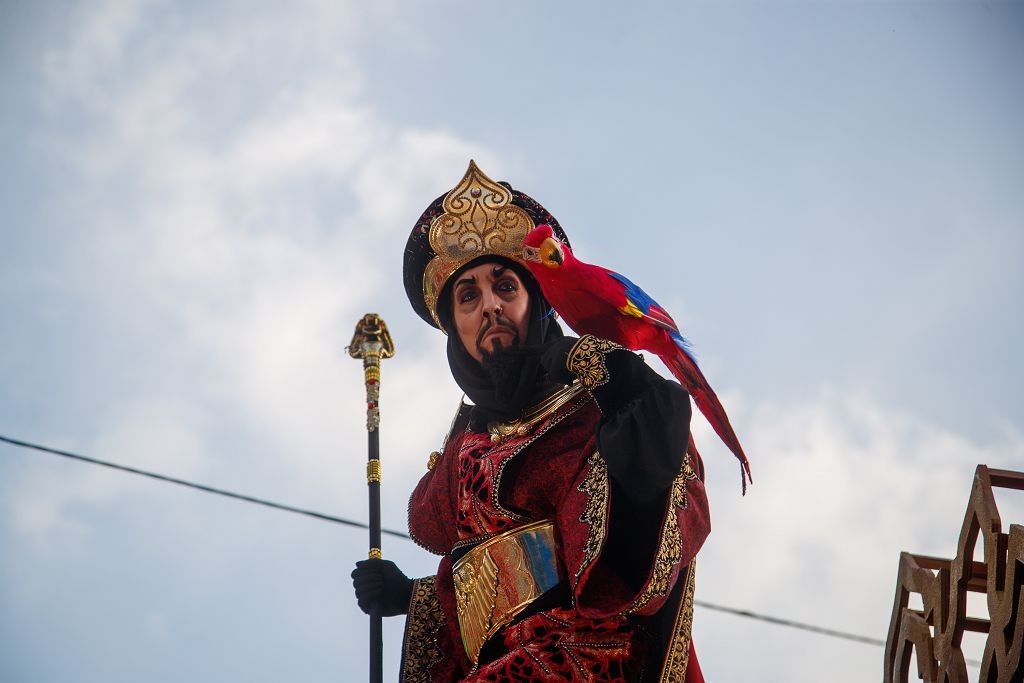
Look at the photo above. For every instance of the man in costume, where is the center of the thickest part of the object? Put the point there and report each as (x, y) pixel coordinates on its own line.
(564, 506)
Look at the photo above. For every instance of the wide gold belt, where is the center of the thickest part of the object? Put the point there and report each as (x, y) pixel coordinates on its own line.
(497, 579)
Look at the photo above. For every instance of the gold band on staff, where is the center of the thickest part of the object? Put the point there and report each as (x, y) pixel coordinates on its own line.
(373, 471)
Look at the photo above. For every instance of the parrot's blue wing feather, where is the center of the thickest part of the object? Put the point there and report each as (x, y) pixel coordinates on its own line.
(652, 311)
(638, 297)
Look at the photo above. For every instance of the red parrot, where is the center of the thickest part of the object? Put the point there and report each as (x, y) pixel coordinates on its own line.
(594, 300)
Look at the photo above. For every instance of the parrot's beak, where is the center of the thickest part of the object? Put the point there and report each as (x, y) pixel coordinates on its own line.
(551, 253)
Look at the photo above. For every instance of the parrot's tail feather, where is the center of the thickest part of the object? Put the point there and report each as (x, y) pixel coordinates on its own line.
(685, 346)
(689, 375)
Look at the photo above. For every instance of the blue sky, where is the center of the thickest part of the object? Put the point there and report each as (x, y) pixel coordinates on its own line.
(199, 201)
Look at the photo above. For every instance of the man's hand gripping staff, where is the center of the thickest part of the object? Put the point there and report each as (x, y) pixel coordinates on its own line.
(381, 588)
(594, 300)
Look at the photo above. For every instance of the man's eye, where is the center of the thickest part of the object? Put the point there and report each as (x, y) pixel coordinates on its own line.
(467, 295)
(506, 286)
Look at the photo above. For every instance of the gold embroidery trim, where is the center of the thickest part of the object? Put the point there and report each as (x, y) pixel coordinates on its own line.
(586, 360)
(678, 655)
(670, 544)
(595, 514)
(533, 415)
(420, 649)
(556, 416)
(432, 460)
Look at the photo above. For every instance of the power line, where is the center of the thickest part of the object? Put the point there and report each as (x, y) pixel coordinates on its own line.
(200, 487)
(348, 522)
(805, 627)
(792, 624)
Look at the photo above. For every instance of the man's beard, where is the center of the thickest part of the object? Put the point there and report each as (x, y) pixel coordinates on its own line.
(503, 364)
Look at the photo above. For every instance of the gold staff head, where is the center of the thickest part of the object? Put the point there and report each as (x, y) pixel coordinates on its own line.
(371, 338)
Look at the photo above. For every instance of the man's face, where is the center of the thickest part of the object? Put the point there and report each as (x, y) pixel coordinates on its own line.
(490, 308)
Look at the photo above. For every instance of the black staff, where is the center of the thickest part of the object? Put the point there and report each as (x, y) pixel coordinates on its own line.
(370, 343)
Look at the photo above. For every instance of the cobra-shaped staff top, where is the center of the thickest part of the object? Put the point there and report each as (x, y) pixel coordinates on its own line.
(371, 342)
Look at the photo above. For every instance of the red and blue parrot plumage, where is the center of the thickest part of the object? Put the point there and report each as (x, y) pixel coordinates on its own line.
(594, 300)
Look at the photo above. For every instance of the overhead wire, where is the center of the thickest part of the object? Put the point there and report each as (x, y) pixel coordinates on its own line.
(200, 487)
(833, 633)
(804, 627)
(791, 624)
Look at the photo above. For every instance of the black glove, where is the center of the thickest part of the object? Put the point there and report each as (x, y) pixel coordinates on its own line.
(381, 588)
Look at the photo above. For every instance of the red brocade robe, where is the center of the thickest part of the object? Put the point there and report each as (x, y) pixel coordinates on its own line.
(478, 488)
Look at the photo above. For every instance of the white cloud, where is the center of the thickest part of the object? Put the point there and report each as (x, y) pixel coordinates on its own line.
(841, 488)
(155, 433)
(239, 243)
(392, 185)
(95, 46)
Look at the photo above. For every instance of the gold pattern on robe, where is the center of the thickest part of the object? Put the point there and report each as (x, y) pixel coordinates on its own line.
(586, 360)
(678, 654)
(670, 543)
(531, 416)
(595, 515)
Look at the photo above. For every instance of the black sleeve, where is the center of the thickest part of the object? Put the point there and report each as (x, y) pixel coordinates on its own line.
(645, 429)
(642, 437)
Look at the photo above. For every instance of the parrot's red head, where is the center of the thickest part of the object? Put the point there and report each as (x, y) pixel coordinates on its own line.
(541, 246)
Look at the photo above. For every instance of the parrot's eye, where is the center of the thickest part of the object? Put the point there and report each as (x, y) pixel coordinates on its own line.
(531, 254)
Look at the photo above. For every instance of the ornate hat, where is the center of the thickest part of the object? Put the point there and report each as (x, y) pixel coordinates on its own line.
(478, 218)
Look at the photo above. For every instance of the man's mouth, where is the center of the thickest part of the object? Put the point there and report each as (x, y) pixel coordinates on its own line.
(497, 328)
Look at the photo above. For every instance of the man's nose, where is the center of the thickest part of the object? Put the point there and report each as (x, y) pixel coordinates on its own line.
(491, 304)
